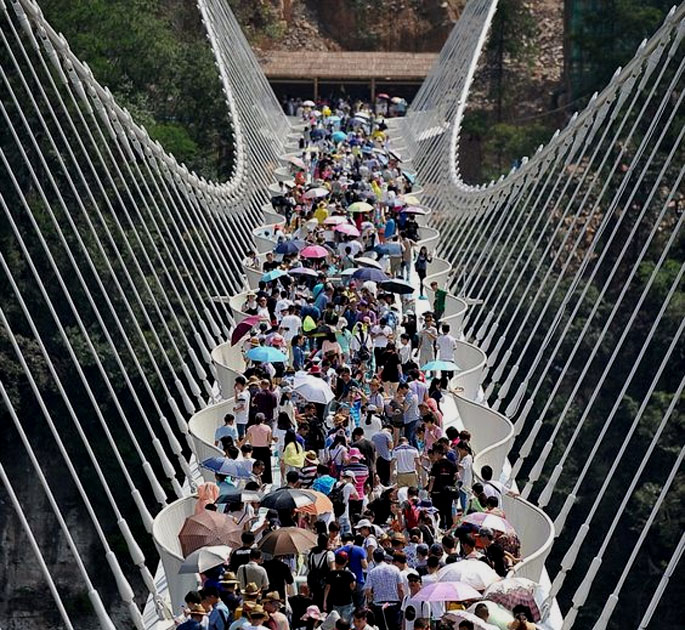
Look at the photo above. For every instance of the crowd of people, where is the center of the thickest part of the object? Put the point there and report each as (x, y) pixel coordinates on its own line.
(339, 397)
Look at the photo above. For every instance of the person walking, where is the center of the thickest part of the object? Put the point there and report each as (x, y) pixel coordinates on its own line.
(384, 592)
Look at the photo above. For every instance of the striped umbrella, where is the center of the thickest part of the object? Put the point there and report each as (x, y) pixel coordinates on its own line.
(514, 591)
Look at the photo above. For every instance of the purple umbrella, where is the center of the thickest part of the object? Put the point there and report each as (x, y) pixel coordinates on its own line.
(368, 273)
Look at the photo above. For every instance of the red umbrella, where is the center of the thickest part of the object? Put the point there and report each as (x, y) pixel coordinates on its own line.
(243, 328)
(314, 251)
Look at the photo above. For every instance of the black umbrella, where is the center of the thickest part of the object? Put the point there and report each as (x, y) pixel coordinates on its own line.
(287, 499)
(235, 495)
(397, 286)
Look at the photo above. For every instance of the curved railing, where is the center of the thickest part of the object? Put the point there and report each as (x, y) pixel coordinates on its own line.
(492, 432)
(165, 530)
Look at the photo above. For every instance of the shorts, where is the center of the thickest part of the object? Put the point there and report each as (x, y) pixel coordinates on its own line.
(405, 480)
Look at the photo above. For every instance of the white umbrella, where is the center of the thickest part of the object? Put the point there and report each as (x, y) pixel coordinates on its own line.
(313, 389)
(205, 558)
(309, 104)
(368, 262)
(473, 572)
(298, 162)
(316, 193)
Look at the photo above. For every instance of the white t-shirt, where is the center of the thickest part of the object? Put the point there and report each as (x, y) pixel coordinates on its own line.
(494, 488)
(466, 471)
(446, 346)
(348, 491)
(282, 307)
(291, 325)
(405, 457)
(415, 610)
(374, 426)
(242, 399)
(405, 352)
(381, 335)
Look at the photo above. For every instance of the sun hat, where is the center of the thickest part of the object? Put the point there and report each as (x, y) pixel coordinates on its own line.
(251, 589)
(273, 596)
(228, 578)
(313, 612)
(197, 609)
(311, 457)
(365, 522)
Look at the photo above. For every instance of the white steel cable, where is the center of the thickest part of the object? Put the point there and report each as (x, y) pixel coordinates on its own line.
(611, 602)
(93, 595)
(47, 576)
(663, 583)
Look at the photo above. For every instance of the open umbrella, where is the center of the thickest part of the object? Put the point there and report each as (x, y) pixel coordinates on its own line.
(369, 273)
(360, 206)
(322, 505)
(314, 251)
(497, 615)
(491, 521)
(302, 271)
(364, 261)
(291, 246)
(395, 99)
(461, 615)
(287, 541)
(287, 499)
(297, 162)
(243, 328)
(474, 572)
(205, 558)
(266, 354)
(410, 177)
(308, 103)
(395, 155)
(414, 210)
(383, 96)
(514, 591)
(236, 495)
(317, 193)
(230, 467)
(272, 275)
(388, 249)
(401, 287)
(333, 119)
(313, 389)
(447, 592)
(410, 200)
(207, 528)
(339, 136)
(440, 366)
(336, 219)
(346, 228)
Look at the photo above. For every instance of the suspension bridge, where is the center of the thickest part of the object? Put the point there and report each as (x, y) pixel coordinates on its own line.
(136, 263)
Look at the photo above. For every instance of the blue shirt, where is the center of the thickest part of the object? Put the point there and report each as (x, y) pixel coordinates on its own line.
(389, 228)
(355, 556)
(218, 618)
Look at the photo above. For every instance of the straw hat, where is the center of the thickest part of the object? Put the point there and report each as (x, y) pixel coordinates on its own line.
(251, 590)
(273, 596)
(197, 609)
(256, 611)
(311, 457)
(228, 578)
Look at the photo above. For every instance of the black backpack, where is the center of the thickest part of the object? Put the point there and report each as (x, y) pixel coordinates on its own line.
(316, 574)
(337, 499)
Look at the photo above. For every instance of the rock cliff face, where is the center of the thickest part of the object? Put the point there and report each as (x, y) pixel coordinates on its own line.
(401, 25)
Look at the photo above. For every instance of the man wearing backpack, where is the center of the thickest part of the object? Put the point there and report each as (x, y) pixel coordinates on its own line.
(348, 492)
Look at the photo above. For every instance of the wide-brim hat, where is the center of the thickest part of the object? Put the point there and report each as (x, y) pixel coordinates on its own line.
(252, 589)
(273, 597)
(228, 578)
(311, 457)
(197, 609)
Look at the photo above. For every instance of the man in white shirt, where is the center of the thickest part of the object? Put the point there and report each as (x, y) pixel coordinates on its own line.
(446, 345)
(365, 528)
(282, 306)
(290, 325)
(407, 461)
(349, 492)
(380, 335)
(241, 407)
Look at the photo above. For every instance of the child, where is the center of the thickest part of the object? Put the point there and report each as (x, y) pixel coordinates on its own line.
(405, 351)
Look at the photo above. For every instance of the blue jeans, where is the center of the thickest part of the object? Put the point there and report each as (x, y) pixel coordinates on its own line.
(463, 499)
(410, 431)
(344, 611)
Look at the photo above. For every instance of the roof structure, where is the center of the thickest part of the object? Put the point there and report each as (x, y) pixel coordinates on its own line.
(395, 66)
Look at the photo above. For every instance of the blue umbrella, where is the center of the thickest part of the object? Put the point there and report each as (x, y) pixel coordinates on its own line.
(389, 249)
(289, 247)
(339, 136)
(410, 177)
(369, 273)
(333, 119)
(226, 466)
(441, 366)
(274, 274)
(266, 354)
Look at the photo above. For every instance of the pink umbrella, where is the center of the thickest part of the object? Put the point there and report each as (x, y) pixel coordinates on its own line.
(336, 219)
(314, 251)
(383, 95)
(447, 592)
(348, 229)
(491, 521)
